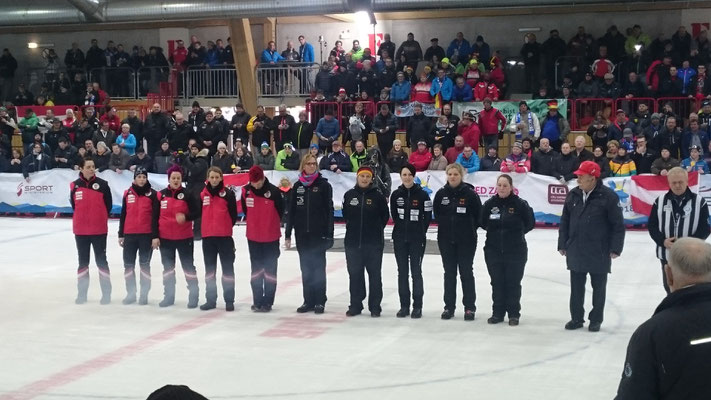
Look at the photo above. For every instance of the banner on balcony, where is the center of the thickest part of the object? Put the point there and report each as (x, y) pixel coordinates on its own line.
(510, 108)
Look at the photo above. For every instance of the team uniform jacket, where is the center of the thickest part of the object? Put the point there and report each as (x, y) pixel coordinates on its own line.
(366, 214)
(457, 212)
(506, 221)
(688, 218)
(173, 202)
(263, 208)
(311, 210)
(91, 202)
(411, 211)
(218, 203)
(139, 212)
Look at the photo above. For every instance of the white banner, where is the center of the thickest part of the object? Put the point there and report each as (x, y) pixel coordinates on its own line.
(48, 191)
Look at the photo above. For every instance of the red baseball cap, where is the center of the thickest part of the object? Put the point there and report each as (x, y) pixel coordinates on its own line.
(588, 168)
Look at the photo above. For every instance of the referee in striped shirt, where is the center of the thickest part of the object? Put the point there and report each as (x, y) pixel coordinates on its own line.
(675, 214)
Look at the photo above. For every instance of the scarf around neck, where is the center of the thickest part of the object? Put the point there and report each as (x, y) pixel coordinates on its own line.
(307, 180)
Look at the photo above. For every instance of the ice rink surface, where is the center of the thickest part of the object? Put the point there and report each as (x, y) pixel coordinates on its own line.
(51, 348)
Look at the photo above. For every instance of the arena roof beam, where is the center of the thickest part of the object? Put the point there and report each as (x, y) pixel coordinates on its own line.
(90, 8)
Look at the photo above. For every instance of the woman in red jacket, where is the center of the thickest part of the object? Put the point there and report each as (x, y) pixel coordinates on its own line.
(138, 232)
(263, 205)
(90, 197)
(175, 230)
(219, 214)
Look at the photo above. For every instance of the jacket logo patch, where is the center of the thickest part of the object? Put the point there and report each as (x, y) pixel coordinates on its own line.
(148, 193)
(250, 201)
(78, 195)
(206, 201)
(428, 206)
(462, 202)
(267, 195)
(130, 198)
(511, 210)
(415, 203)
(223, 193)
(354, 201)
(164, 204)
(400, 202)
(95, 186)
(368, 202)
(315, 189)
(300, 201)
(628, 370)
(180, 196)
(300, 190)
(495, 210)
(445, 201)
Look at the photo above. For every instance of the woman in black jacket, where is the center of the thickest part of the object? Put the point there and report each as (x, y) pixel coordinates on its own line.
(365, 211)
(457, 208)
(310, 214)
(243, 160)
(223, 159)
(303, 134)
(506, 218)
(602, 160)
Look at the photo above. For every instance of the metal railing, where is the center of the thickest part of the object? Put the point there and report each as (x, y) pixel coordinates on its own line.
(117, 82)
(210, 82)
(286, 79)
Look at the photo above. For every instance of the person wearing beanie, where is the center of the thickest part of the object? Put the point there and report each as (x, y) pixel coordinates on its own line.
(263, 206)
(365, 210)
(264, 157)
(163, 158)
(517, 161)
(310, 214)
(525, 123)
(138, 232)
(178, 210)
(287, 159)
(90, 198)
(411, 211)
(223, 159)
(219, 215)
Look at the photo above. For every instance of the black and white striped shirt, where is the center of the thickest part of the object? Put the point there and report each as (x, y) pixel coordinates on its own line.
(684, 217)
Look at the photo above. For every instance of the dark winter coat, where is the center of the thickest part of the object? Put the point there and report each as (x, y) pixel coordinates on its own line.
(366, 214)
(662, 361)
(418, 128)
(411, 211)
(545, 163)
(506, 221)
(589, 232)
(303, 135)
(310, 212)
(457, 211)
(565, 165)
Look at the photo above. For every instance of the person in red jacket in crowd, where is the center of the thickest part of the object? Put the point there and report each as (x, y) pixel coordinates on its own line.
(421, 90)
(453, 152)
(486, 88)
(263, 205)
(421, 157)
(90, 197)
(138, 232)
(469, 131)
(112, 119)
(178, 210)
(496, 75)
(492, 123)
(219, 214)
(517, 161)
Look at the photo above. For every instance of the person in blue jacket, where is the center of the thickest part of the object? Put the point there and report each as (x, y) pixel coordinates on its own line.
(460, 47)
(442, 85)
(126, 140)
(306, 51)
(270, 55)
(694, 162)
(400, 90)
(693, 135)
(327, 130)
(462, 91)
(468, 159)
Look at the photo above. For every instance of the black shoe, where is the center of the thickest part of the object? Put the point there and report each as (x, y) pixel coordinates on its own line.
(494, 320)
(304, 308)
(446, 314)
(469, 315)
(105, 300)
(352, 312)
(319, 309)
(192, 303)
(80, 300)
(404, 312)
(594, 326)
(375, 314)
(513, 321)
(416, 313)
(166, 302)
(573, 325)
(129, 299)
(256, 308)
(266, 308)
(143, 300)
(230, 307)
(208, 306)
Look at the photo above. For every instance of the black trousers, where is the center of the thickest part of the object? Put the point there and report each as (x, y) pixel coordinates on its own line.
(312, 260)
(184, 248)
(664, 277)
(506, 272)
(225, 248)
(359, 260)
(458, 257)
(264, 258)
(84, 244)
(141, 244)
(577, 296)
(408, 256)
